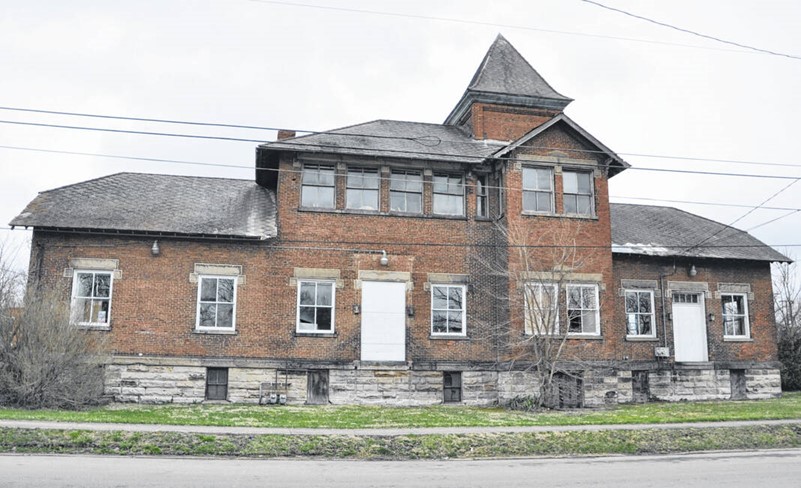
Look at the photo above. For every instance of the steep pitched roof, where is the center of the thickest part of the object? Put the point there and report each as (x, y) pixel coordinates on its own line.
(393, 138)
(666, 231)
(150, 203)
(504, 76)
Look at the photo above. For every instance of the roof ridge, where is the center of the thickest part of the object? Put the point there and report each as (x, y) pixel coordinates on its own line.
(121, 173)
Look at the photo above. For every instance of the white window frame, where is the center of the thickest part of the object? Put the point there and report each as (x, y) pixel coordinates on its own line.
(398, 177)
(333, 307)
(533, 293)
(350, 186)
(74, 298)
(596, 310)
(315, 169)
(482, 196)
(463, 310)
(591, 194)
(746, 322)
(200, 279)
(448, 193)
(549, 191)
(650, 293)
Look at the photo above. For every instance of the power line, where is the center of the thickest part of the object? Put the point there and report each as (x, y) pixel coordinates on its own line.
(491, 24)
(429, 141)
(418, 244)
(694, 33)
(696, 202)
(250, 167)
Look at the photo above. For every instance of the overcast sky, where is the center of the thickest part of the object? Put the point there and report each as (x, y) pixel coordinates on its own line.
(274, 64)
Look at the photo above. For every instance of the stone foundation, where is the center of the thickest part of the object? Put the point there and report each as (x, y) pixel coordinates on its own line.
(155, 380)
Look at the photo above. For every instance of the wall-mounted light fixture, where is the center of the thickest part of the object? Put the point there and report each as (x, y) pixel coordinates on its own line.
(384, 259)
(712, 316)
(357, 309)
(154, 249)
(692, 271)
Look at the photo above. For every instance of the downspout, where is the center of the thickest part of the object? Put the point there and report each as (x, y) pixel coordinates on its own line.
(662, 277)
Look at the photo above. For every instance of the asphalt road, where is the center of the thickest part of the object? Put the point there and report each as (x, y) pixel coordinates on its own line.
(774, 469)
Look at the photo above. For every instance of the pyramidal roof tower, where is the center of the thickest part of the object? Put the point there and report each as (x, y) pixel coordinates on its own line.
(506, 81)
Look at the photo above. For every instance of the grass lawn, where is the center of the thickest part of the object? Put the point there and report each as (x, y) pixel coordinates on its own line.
(343, 417)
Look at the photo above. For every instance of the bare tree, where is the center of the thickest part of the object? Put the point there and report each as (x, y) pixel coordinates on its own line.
(786, 295)
(541, 294)
(45, 361)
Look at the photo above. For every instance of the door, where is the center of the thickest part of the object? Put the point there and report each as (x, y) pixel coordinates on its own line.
(689, 328)
(383, 321)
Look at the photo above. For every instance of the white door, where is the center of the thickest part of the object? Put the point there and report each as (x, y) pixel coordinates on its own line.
(689, 328)
(383, 321)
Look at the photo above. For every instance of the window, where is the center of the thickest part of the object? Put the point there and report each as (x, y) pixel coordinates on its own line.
(447, 309)
(91, 298)
(582, 309)
(448, 195)
(216, 383)
(406, 192)
(318, 186)
(578, 192)
(452, 387)
(315, 306)
(216, 303)
(481, 196)
(362, 189)
(735, 315)
(542, 308)
(640, 313)
(538, 190)
(685, 297)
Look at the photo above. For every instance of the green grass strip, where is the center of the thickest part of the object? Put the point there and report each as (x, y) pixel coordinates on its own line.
(648, 441)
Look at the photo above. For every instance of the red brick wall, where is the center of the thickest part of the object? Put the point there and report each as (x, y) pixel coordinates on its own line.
(503, 123)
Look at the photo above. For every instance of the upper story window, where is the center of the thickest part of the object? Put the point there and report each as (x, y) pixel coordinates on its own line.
(216, 303)
(448, 309)
(448, 195)
(582, 310)
(362, 189)
(317, 189)
(406, 192)
(316, 306)
(538, 190)
(541, 308)
(91, 298)
(481, 196)
(640, 313)
(735, 315)
(577, 190)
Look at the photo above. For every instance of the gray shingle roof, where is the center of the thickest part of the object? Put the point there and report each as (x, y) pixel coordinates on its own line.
(393, 138)
(666, 231)
(505, 71)
(137, 202)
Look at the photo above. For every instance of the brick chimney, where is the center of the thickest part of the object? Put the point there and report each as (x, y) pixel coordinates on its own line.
(285, 134)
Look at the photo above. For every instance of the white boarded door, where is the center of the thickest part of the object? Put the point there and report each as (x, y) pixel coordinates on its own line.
(383, 321)
(689, 328)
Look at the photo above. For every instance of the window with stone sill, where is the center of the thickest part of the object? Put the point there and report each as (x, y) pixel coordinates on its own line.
(541, 308)
(448, 195)
(316, 307)
(640, 313)
(91, 298)
(448, 310)
(583, 312)
(317, 186)
(577, 190)
(735, 315)
(538, 190)
(216, 303)
(362, 189)
(406, 192)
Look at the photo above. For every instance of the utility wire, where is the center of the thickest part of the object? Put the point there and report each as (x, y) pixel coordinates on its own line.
(489, 24)
(250, 167)
(429, 141)
(694, 33)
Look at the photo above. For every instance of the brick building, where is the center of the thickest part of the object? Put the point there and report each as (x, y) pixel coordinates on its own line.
(409, 263)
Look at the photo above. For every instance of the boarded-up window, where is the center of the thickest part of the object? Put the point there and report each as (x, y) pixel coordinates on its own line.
(738, 388)
(640, 387)
(216, 383)
(452, 386)
(317, 387)
(567, 390)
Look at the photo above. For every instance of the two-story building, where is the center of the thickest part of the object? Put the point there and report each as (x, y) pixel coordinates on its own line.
(397, 262)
